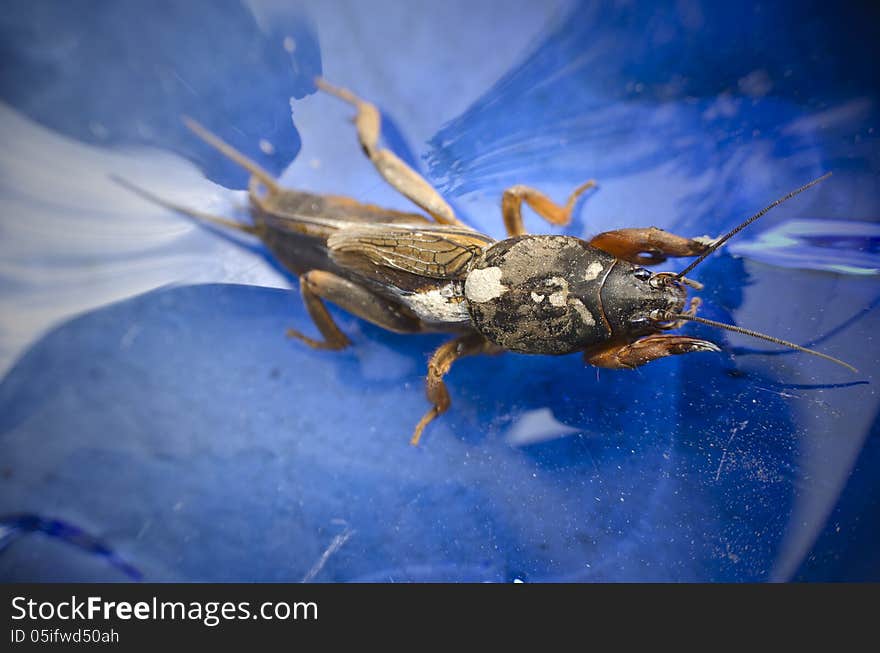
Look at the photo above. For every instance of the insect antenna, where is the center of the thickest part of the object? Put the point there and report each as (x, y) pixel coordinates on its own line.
(761, 336)
(718, 243)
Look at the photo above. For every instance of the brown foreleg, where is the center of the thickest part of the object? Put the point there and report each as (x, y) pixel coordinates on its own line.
(620, 356)
(648, 246)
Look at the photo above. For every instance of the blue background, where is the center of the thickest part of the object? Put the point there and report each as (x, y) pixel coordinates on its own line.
(177, 435)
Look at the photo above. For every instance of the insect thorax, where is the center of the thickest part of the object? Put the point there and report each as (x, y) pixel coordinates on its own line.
(539, 294)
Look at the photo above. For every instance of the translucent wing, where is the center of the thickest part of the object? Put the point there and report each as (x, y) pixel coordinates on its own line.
(435, 251)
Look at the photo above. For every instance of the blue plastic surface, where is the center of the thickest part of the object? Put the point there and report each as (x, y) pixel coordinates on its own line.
(177, 435)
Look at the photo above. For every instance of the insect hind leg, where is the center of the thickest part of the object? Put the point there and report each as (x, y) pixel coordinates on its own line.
(398, 174)
(318, 285)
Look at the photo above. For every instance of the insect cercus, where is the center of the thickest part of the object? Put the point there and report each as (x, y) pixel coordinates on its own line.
(416, 273)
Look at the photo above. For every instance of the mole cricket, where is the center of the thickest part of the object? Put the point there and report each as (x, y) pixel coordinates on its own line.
(416, 273)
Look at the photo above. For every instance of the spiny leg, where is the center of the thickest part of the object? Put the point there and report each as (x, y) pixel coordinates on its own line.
(397, 173)
(438, 366)
(319, 285)
(648, 246)
(558, 214)
(621, 356)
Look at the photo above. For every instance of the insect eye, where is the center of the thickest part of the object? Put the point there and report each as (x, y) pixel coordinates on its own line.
(642, 274)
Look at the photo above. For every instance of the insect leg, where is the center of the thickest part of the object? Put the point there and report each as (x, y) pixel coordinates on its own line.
(648, 246)
(511, 206)
(397, 173)
(439, 365)
(319, 285)
(631, 355)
